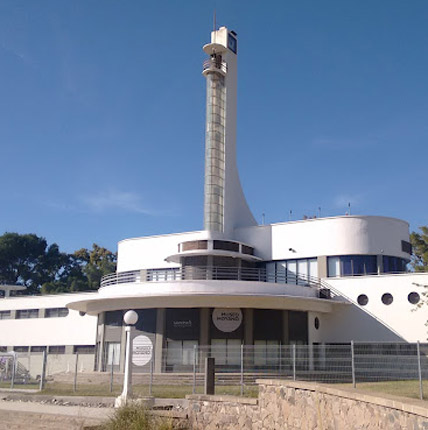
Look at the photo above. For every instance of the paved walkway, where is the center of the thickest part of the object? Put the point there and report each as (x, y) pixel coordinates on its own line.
(37, 416)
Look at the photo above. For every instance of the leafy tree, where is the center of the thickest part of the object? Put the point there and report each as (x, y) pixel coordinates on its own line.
(28, 260)
(96, 263)
(419, 243)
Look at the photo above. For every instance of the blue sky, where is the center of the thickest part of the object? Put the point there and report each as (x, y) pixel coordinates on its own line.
(102, 109)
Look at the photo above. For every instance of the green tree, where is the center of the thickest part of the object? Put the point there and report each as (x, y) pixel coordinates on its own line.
(96, 263)
(419, 243)
(26, 259)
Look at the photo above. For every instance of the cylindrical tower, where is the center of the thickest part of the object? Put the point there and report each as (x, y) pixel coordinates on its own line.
(225, 207)
(215, 70)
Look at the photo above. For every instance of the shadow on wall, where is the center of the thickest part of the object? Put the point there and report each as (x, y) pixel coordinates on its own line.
(352, 323)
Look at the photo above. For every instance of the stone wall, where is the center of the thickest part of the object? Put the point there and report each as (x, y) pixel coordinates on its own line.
(302, 405)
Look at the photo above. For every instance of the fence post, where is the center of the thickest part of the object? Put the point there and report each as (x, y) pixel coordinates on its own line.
(12, 379)
(294, 361)
(280, 359)
(75, 373)
(421, 389)
(354, 383)
(151, 376)
(194, 370)
(242, 369)
(43, 373)
(112, 371)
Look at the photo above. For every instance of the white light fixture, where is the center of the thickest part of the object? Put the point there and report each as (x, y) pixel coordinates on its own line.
(130, 318)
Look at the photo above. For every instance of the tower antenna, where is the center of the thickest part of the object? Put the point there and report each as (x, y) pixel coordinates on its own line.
(215, 21)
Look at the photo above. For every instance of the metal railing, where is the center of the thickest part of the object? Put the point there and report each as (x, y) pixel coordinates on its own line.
(198, 273)
(213, 63)
(394, 368)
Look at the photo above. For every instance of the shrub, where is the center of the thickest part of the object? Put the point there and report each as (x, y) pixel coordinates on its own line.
(136, 417)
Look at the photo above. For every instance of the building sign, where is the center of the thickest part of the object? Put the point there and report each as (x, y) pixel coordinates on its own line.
(227, 320)
(142, 350)
(182, 324)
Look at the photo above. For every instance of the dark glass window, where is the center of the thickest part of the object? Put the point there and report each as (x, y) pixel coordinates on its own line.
(84, 349)
(387, 299)
(317, 323)
(362, 299)
(27, 313)
(56, 349)
(3, 349)
(226, 245)
(20, 348)
(4, 315)
(56, 312)
(247, 250)
(414, 298)
(394, 264)
(114, 318)
(194, 244)
(352, 265)
(38, 348)
(406, 247)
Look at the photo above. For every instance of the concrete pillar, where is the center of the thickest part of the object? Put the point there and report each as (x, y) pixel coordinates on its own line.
(159, 339)
(100, 342)
(322, 266)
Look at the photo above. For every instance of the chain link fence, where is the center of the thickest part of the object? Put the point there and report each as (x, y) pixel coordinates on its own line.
(398, 368)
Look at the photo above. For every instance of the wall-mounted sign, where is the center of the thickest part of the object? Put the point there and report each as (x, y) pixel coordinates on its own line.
(227, 320)
(142, 350)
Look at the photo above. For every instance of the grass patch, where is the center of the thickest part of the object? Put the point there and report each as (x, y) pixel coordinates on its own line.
(395, 388)
(136, 417)
(160, 391)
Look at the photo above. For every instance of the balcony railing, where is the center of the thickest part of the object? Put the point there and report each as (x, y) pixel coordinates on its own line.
(217, 274)
(213, 64)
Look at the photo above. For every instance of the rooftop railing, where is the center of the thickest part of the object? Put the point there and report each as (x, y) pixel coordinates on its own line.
(191, 273)
(213, 63)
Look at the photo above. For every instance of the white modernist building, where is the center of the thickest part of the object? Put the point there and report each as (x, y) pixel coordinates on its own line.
(314, 281)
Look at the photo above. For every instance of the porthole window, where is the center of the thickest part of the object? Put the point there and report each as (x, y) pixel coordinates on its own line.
(414, 298)
(387, 299)
(362, 299)
(317, 323)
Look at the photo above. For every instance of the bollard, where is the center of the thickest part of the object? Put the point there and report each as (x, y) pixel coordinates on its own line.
(75, 373)
(209, 386)
(194, 370)
(152, 361)
(43, 374)
(354, 383)
(421, 388)
(112, 371)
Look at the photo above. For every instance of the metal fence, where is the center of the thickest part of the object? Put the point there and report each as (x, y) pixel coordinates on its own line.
(401, 368)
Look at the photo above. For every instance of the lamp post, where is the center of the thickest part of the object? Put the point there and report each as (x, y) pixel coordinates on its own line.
(130, 318)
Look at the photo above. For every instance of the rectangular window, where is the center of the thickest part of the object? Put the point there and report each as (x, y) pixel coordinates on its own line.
(38, 348)
(313, 267)
(56, 312)
(226, 351)
(291, 272)
(56, 349)
(181, 352)
(84, 349)
(266, 352)
(3, 348)
(4, 315)
(333, 266)
(20, 348)
(27, 313)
